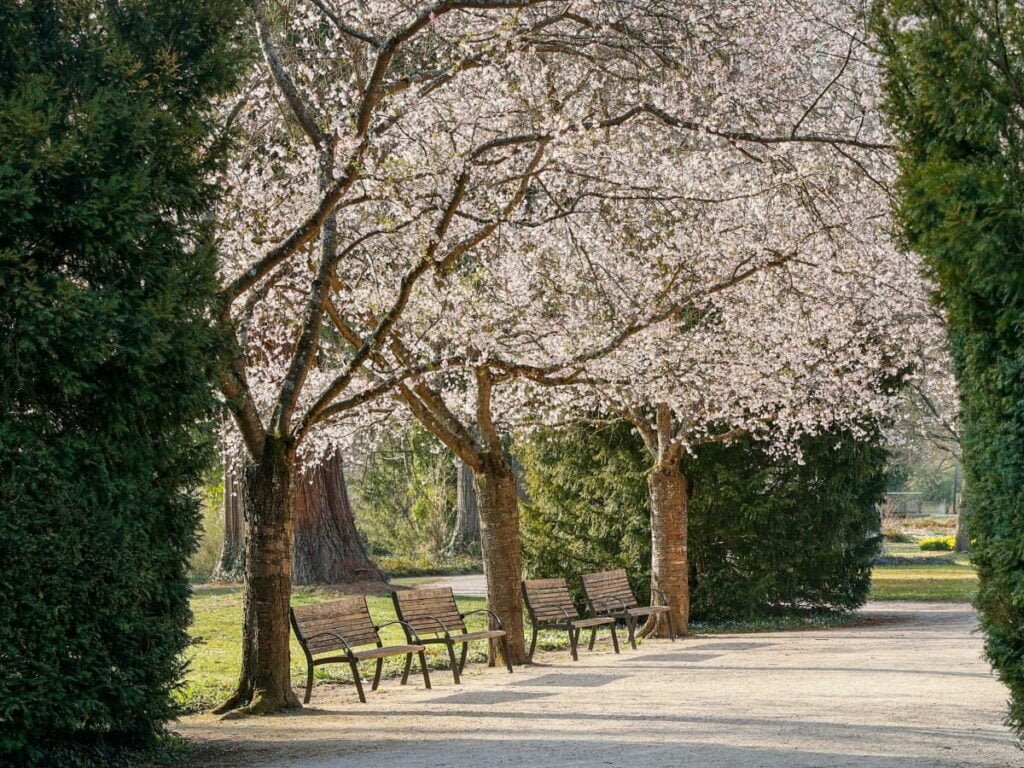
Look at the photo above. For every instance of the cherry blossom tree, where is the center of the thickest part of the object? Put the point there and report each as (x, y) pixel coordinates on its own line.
(460, 201)
(739, 279)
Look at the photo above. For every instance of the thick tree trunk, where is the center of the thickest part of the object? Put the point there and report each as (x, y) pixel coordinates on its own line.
(466, 534)
(265, 681)
(501, 551)
(669, 566)
(232, 554)
(328, 548)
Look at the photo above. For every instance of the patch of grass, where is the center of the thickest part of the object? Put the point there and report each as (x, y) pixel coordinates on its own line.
(948, 581)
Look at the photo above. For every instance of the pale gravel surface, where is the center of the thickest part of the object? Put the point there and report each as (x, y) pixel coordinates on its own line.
(910, 689)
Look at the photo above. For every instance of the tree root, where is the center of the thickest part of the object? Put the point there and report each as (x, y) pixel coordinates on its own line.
(233, 702)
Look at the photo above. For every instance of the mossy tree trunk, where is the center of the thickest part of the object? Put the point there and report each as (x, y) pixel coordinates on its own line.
(669, 564)
(501, 548)
(264, 684)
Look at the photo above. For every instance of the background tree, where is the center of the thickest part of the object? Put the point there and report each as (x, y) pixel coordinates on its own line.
(107, 283)
(465, 538)
(404, 492)
(328, 547)
(953, 85)
(768, 534)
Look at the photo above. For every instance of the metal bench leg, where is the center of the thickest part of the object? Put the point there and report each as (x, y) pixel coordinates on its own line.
(451, 658)
(376, 674)
(593, 638)
(533, 643)
(631, 629)
(462, 658)
(671, 627)
(309, 683)
(359, 683)
(615, 639)
(423, 666)
(408, 666)
(572, 643)
(508, 657)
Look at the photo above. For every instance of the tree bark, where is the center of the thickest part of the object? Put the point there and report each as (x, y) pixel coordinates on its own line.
(328, 548)
(501, 550)
(232, 554)
(265, 681)
(465, 538)
(669, 565)
(963, 538)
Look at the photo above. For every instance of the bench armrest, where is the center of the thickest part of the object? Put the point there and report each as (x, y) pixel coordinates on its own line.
(336, 636)
(661, 594)
(492, 614)
(408, 629)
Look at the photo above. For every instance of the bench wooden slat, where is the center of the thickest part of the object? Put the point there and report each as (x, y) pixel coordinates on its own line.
(419, 607)
(348, 617)
(609, 587)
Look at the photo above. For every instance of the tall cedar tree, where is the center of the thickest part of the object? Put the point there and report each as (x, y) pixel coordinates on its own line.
(955, 93)
(107, 277)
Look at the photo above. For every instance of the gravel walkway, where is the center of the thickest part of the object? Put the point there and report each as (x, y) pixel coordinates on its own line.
(909, 689)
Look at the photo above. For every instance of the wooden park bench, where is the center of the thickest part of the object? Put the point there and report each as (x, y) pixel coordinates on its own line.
(344, 625)
(609, 594)
(433, 617)
(551, 607)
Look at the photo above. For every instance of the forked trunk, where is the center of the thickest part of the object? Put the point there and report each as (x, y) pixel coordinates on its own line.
(265, 681)
(328, 548)
(466, 534)
(669, 566)
(232, 554)
(500, 548)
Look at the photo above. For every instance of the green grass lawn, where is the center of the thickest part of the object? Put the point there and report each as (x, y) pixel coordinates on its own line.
(944, 581)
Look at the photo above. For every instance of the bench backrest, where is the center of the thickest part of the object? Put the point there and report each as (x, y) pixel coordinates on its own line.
(608, 591)
(419, 607)
(347, 616)
(546, 599)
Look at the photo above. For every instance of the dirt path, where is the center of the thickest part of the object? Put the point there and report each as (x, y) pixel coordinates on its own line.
(909, 690)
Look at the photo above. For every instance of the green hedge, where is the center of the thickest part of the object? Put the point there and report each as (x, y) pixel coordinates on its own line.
(767, 534)
(105, 362)
(953, 74)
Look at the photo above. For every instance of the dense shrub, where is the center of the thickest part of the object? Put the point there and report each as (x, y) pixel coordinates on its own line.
(107, 278)
(953, 73)
(766, 533)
